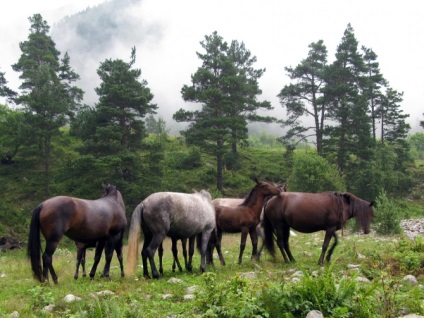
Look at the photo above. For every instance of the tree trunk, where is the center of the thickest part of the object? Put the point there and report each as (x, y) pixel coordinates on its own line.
(219, 171)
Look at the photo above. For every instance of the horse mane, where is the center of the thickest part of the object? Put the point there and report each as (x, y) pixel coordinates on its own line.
(109, 190)
(249, 195)
(339, 208)
(204, 193)
(359, 209)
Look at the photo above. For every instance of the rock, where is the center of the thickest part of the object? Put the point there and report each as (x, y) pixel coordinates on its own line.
(412, 316)
(314, 314)
(411, 280)
(166, 296)
(248, 275)
(174, 280)
(49, 308)
(14, 314)
(191, 289)
(70, 298)
(105, 292)
(189, 297)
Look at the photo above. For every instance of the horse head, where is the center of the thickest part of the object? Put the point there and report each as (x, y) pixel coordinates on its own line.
(362, 210)
(267, 189)
(109, 189)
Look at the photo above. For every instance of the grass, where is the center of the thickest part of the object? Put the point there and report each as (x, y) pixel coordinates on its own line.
(135, 296)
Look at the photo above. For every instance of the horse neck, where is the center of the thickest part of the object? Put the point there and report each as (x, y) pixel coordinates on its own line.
(255, 201)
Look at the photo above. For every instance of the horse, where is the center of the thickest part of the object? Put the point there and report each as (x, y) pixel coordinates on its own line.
(84, 221)
(312, 212)
(233, 202)
(173, 214)
(243, 218)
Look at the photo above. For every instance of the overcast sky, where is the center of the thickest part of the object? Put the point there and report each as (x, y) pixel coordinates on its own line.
(277, 32)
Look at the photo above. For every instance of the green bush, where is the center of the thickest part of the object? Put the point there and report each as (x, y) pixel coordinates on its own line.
(387, 216)
(313, 173)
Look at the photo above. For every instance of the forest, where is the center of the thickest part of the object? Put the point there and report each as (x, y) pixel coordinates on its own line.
(51, 143)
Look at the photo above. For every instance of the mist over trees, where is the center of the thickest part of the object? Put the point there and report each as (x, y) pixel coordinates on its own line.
(359, 129)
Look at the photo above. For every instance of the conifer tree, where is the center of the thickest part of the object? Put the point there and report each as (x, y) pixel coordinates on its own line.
(47, 96)
(226, 86)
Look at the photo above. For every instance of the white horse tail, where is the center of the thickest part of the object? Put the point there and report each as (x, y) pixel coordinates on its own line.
(134, 239)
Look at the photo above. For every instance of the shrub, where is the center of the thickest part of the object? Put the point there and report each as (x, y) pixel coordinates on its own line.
(387, 215)
(313, 173)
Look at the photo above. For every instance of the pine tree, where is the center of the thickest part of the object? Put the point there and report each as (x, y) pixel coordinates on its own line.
(348, 106)
(46, 95)
(226, 86)
(304, 97)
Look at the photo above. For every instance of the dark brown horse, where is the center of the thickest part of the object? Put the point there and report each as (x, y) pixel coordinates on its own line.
(84, 221)
(312, 212)
(243, 218)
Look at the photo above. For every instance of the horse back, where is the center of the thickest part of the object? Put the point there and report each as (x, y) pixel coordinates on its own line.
(178, 215)
(81, 219)
(305, 212)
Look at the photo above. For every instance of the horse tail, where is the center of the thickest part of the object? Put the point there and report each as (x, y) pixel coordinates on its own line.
(269, 234)
(134, 239)
(34, 243)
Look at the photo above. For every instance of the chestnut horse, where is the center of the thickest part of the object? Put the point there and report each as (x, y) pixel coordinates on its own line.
(172, 214)
(85, 221)
(243, 218)
(234, 202)
(312, 212)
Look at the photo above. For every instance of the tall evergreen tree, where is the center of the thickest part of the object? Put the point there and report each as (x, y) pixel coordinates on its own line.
(46, 95)
(304, 97)
(347, 104)
(226, 86)
(124, 100)
(374, 83)
(392, 120)
(5, 91)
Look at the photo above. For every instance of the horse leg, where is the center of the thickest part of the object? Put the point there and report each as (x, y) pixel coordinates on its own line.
(176, 261)
(48, 261)
(160, 253)
(330, 251)
(97, 256)
(281, 238)
(205, 241)
(327, 238)
(218, 246)
(191, 241)
(147, 240)
(118, 249)
(254, 239)
(260, 234)
(150, 253)
(184, 247)
(244, 232)
(286, 237)
(109, 248)
(210, 249)
(80, 260)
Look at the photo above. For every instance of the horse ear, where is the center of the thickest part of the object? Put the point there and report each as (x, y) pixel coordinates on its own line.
(372, 203)
(256, 180)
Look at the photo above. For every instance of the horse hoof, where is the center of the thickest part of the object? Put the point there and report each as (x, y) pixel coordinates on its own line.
(122, 274)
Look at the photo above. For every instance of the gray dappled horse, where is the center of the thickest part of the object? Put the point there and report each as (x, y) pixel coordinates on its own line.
(173, 214)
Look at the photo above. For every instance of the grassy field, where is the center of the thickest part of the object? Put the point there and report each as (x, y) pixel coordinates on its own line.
(273, 290)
